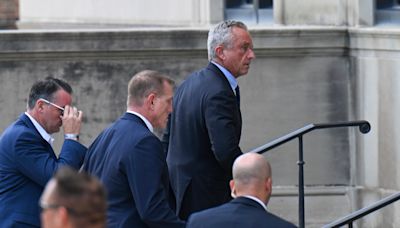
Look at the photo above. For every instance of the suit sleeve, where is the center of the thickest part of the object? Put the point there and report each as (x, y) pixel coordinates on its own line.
(36, 160)
(146, 173)
(221, 120)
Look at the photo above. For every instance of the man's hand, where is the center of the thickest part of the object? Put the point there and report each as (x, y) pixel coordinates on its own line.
(72, 120)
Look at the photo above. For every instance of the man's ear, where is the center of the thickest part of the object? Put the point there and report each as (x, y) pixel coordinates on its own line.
(219, 51)
(268, 189)
(40, 104)
(233, 190)
(268, 185)
(149, 101)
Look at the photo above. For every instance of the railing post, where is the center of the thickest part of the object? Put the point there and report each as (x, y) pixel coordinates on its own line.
(300, 163)
(364, 128)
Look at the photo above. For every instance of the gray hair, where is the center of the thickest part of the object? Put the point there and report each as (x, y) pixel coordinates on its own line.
(222, 34)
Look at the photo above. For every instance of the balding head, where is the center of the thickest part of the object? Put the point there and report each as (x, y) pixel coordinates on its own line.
(252, 176)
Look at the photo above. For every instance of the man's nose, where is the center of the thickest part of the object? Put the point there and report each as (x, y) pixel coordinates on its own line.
(252, 54)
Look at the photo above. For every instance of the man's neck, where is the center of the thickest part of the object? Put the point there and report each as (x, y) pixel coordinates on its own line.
(258, 200)
(142, 116)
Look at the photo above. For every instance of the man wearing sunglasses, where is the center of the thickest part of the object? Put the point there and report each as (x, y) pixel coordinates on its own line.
(27, 159)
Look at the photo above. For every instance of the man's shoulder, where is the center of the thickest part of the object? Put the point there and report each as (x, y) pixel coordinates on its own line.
(278, 221)
(127, 127)
(212, 212)
(232, 211)
(123, 125)
(19, 129)
(205, 81)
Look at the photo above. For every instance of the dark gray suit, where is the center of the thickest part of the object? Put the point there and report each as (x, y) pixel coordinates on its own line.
(202, 138)
(241, 213)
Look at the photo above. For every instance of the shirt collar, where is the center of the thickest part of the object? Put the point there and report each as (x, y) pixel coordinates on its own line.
(257, 200)
(231, 79)
(148, 124)
(46, 136)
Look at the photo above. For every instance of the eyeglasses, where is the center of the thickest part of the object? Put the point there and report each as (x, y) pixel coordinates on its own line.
(52, 104)
(45, 206)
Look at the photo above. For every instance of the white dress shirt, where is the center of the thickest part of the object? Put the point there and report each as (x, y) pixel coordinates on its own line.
(46, 136)
(148, 124)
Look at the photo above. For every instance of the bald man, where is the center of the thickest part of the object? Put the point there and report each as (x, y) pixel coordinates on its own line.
(251, 189)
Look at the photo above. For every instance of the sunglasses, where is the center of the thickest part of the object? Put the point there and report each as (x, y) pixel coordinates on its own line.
(52, 104)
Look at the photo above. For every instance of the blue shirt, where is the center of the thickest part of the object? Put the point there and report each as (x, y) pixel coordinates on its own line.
(231, 79)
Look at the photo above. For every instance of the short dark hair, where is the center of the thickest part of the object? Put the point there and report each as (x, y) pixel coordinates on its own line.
(144, 83)
(46, 89)
(82, 195)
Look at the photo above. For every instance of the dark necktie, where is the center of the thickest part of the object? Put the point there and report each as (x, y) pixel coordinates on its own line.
(237, 95)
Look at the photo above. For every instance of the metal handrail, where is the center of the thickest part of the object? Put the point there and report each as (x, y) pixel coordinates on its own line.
(364, 211)
(364, 128)
(363, 125)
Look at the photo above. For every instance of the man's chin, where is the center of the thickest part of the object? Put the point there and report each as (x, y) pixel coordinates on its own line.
(55, 131)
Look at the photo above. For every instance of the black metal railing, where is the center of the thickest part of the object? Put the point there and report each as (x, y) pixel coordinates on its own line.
(349, 219)
(364, 128)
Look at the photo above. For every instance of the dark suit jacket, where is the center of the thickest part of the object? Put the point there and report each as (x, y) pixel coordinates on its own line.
(27, 162)
(130, 162)
(202, 138)
(241, 213)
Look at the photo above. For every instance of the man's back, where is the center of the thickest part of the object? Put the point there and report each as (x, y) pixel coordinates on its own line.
(239, 213)
(120, 157)
(204, 134)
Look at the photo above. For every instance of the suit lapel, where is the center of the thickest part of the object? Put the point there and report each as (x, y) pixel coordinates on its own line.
(221, 75)
(25, 119)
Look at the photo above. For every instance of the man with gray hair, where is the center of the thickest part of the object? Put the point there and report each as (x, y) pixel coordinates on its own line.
(203, 134)
(251, 187)
(128, 158)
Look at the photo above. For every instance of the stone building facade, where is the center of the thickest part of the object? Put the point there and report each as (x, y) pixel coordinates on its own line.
(317, 62)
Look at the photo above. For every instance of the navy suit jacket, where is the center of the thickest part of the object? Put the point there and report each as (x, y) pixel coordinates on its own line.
(202, 140)
(241, 213)
(27, 162)
(130, 162)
